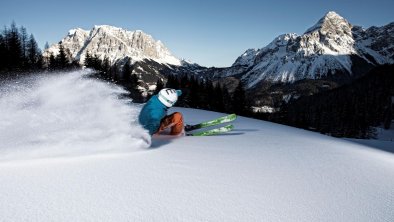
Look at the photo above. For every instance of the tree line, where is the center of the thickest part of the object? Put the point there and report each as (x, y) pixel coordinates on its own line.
(62, 61)
(18, 50)
(352, 110)
(207, 95)
(19, 53)
(115, 73)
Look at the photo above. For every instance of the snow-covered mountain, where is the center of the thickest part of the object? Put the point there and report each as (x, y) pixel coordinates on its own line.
(113, 43)
(71, 150)
(331, 48)
(327, 55)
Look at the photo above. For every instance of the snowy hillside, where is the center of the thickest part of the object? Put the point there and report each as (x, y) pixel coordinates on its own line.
(71, 150)
(113, 43)
(331, 47)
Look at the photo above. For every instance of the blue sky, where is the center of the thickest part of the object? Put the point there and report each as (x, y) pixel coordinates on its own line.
(210, 33)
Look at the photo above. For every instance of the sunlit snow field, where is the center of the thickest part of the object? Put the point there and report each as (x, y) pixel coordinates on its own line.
(72, 150)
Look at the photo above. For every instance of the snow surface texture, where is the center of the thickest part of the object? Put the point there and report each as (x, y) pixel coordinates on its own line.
(65, 114)
(259, 172)
(384, 139)
(113, 43)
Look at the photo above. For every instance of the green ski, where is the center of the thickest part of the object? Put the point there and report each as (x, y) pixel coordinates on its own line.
(212, 132)
(220, 120)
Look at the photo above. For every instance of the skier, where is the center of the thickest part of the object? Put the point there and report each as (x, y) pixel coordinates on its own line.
(153, 115)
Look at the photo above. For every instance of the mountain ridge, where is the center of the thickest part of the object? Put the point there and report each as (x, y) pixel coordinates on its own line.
(114, 43)
(328, 54)
(330, 46)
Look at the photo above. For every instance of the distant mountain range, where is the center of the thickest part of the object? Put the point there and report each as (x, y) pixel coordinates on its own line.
(331, 47)
(329, 54)
(115, 44)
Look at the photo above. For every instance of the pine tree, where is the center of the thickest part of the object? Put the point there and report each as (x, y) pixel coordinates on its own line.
(227, 101)
(88, 60)
(106, 65)
(388, 115)
(46, 46)
(208, 97)
(126, 72)
(129, 80)
(3, 52)
(159, 85)
(24, 42)
(218, 104)
(194, 93)
(184, 81)
(61, 58)
(52, 62)
(97, 63)
(33, 53)
(172, 82)
(132, 87)
(114, 73)
(14, 48)
(134, 81)
(239, 99)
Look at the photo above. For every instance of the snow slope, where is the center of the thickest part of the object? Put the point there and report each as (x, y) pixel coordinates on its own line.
(259, 172)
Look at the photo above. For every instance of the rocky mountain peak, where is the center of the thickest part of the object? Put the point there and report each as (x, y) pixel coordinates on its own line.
(77, 32)
(332, 24)
(114, 43)
(331, 49)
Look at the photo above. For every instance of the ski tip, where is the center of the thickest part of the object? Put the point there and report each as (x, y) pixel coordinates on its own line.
(229, 127)
(212, 132)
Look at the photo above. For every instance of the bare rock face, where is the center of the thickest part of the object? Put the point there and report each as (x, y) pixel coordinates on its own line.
(381, 40)
(113, 43)
(331, 48)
